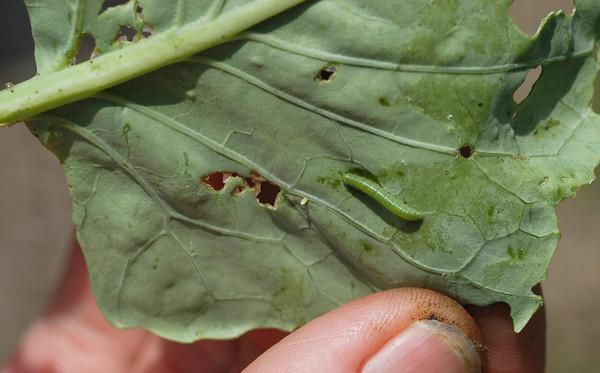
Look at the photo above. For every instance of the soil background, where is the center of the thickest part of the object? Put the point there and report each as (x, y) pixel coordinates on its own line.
(35, 228)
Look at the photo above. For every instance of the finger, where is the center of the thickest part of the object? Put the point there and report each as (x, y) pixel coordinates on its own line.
(254, 343)
(507, 351)
(263, 339)
(402, 330)
(73, 336)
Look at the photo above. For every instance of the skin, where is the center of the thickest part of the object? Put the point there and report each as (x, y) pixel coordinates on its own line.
(73, 336)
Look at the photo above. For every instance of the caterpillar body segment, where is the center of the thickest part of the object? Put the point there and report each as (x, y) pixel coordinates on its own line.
(382, 196)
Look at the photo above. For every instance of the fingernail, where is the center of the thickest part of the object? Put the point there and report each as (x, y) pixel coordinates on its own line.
(426, 346)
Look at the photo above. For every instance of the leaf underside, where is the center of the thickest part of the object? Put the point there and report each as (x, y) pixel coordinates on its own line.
(417, 94)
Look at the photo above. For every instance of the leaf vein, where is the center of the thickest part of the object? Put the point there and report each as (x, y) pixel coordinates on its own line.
(410, 68)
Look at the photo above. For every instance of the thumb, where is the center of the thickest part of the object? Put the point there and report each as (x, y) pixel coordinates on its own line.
(401, 330)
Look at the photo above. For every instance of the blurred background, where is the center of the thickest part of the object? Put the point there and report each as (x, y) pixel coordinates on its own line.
(35, 228)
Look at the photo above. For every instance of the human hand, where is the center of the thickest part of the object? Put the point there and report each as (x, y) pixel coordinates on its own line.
(391, 331)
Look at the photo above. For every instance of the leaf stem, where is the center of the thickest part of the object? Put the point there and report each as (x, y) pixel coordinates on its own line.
(50, 90)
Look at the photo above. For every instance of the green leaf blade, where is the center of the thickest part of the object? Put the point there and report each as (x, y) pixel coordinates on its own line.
(299, 100)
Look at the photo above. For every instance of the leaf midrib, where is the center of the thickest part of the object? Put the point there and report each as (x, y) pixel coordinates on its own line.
(53, 89)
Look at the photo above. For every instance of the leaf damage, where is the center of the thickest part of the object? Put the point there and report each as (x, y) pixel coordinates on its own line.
(425, 108)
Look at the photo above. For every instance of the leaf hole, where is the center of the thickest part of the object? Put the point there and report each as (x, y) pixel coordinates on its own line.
(526, 87)
(466, 151)
(215, 181)
(147, 31)
(528, 15)
(87, 49)
(326, 74)
(267, 193)
(126, 33)
(107, 4)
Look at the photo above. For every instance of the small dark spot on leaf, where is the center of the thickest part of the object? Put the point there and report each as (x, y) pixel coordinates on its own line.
(147, 31)
(558, 194)
(384, 102)
(170, 285)
(330, 182)
(126, 129)
(326, 74)
(517, 254)
(370, 250)
(480, 104)
(466, 151)
(551, 124)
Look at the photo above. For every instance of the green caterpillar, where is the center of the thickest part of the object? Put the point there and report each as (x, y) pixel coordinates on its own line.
(382, 196)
